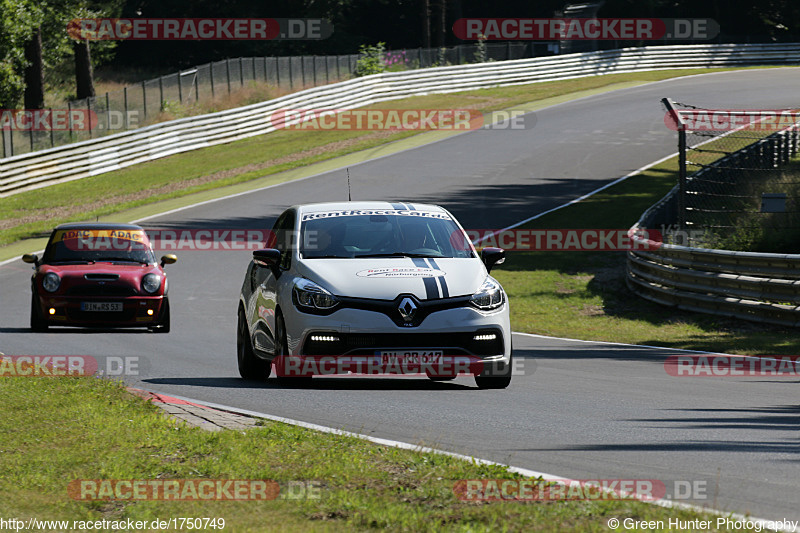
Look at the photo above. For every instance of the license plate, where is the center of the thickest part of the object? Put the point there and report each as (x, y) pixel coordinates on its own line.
(417, 357)
(101, 306)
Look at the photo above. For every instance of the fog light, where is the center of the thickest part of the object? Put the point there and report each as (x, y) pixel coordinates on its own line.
(150, 312)
(485, 337)
(52, 310)
(324, 338)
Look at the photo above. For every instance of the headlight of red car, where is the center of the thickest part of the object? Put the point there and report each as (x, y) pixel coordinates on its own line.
(51, 282)
(151, 283)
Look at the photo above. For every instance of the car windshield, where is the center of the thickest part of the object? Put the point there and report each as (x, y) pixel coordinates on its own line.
(385, 233)
(93, 245)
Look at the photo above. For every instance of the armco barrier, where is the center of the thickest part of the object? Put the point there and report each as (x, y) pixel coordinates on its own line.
(105, 154)
(754, 286)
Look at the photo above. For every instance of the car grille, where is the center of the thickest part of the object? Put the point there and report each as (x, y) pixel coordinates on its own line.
(101, 290)
(462, 343)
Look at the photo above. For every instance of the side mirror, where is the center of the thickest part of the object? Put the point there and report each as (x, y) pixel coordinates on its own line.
(493, 256)
(269, 257)
(168, 259)
(31, 258)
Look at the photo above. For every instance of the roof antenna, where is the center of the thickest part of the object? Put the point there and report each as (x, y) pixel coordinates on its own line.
(349, 198)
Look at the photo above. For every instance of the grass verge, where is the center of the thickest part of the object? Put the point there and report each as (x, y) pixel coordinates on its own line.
(87, 428)
(583, 295)
(33, 213)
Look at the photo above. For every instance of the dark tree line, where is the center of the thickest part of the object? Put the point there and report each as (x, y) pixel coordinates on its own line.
(34, 42)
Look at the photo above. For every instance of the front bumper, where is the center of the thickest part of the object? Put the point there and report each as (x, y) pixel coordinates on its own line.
(358, 334)
(137, 311)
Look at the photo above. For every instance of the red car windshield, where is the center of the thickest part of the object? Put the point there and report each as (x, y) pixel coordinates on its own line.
(94, 245)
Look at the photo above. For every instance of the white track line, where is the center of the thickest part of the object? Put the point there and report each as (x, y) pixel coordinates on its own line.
(424, 449)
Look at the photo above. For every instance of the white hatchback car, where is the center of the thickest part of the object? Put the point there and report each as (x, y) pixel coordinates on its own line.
(373, 281)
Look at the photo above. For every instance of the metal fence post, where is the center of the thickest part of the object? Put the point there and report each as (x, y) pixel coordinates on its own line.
(682, 177)
(125, 103)
(108, 113)
(228, 73)
(31, 136)
(303, 71)
(52, 132)
(89, 115)
(180, 87)
(161, 93)
(144, 100)
(212, 79)
(680, 123)
(69, 118)
(241, 72)
(291, 76)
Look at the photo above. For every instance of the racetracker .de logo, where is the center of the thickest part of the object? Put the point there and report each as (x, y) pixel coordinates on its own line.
(559, 489)
(733, 119)
(173, 489)
(48, 120)
(377, 119)
(416, 363)
(198, 29)
(565, 240)
(732, 366)
(583, 29)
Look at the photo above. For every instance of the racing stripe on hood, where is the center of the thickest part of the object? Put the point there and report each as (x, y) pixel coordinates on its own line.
(399, 207)
(441, 279)
(431, 288)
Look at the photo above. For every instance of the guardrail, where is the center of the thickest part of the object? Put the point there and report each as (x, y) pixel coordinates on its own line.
(754, 286)
(93, 157)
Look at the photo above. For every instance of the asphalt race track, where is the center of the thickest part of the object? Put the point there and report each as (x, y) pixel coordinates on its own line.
(581, 410)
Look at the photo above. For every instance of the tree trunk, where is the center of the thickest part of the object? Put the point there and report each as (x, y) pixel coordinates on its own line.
(426, 24)
(34, 72)
(84, 79)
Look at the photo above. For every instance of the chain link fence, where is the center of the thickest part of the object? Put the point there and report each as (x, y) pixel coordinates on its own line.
(740, 178)
(147, 102)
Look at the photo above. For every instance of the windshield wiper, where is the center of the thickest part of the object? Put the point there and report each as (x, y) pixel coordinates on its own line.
(397, 254)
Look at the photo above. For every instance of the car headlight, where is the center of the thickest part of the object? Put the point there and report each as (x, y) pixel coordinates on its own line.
(311, 296)
(51, 282)
(489, 296)
(151, 283)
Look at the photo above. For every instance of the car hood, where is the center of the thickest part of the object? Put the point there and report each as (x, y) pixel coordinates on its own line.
(128, 273)
(386, 278)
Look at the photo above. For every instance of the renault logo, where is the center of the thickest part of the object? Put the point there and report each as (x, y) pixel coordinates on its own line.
(407, 309)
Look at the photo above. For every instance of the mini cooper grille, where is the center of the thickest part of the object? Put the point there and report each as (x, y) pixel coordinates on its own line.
(101, 290)
(101, 277)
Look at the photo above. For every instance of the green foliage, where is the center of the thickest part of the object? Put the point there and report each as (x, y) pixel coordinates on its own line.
(17, 20)
(371, 59)
(480, 52)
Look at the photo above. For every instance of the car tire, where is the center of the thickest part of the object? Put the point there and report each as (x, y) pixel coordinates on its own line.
(164, 323)
(282, 348)
(250, 366)
(495, 380)
(38, 324)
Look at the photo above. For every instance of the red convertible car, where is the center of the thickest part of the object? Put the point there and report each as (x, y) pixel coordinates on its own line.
(99, 275)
